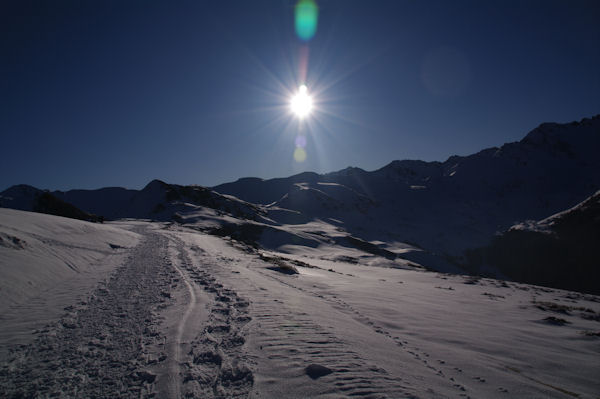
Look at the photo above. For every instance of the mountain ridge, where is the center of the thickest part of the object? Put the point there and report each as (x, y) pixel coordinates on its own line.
(551, 169)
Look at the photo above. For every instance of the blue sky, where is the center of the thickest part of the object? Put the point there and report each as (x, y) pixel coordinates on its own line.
(117, 93)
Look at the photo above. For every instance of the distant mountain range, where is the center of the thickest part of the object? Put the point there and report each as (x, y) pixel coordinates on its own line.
(157, 201)
(448, 206)
(449, 210)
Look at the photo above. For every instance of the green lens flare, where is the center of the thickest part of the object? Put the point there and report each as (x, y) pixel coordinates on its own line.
(307, 14)
(299, 154)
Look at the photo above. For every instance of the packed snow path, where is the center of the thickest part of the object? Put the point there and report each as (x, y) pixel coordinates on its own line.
(197, 316)
(118, 343)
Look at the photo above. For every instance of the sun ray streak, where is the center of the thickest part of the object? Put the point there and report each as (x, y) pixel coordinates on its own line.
(343, 118)
(323, 87)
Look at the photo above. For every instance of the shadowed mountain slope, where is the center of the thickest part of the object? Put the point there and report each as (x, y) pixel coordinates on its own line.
(561, 251)
(28, 198)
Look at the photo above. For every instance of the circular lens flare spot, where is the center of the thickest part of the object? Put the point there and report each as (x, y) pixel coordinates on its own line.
(301, 103)
(299, 154)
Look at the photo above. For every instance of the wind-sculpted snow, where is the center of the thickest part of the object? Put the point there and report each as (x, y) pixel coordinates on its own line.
(399, 333)
(51, 252)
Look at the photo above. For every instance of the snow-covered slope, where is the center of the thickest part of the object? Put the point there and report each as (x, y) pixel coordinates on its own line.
(559, 251)
(48, 263)
(187, 314)
(39, 252)
(324, 200)
(270, 227)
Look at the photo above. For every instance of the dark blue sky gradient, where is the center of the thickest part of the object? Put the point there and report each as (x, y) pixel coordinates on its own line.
(116, 93)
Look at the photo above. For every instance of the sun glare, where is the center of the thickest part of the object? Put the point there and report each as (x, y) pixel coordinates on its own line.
(301, 102)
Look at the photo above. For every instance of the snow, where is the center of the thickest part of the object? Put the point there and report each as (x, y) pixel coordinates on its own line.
(47, 262)
(49, 250)
(413, 324)
(176, 312)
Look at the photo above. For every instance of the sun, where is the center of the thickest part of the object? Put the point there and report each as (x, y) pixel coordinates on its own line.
(301, 103)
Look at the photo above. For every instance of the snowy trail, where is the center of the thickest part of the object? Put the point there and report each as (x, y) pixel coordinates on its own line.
(161, 325)
(205, 348)
(216, 365)
(98, 348)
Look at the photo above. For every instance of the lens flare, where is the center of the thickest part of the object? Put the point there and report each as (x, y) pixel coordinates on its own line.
(303, 52)
(306, 16)
(301, 141)
(301, 103)
(299, 154)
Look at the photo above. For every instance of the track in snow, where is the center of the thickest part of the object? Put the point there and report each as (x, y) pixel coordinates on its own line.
(286, 337)
(216, 366)
(169, 381)
(99, 347)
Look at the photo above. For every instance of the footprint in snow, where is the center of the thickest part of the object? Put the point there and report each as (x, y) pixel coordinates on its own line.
(315, 371)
